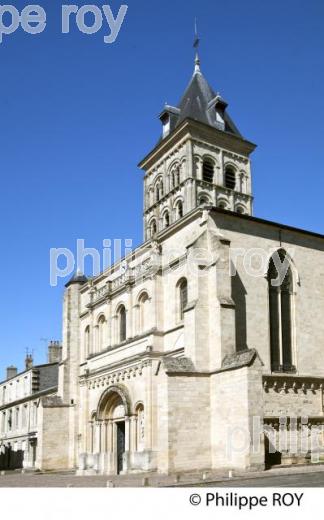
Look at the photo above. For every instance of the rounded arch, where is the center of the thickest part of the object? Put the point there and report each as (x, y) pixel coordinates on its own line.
(174, 164)
(208, 156)
(175, 173)
(143, 311)
(121, 313)
(93, 415)
(141, 294)
(110, 398)
(179, 198)
(241, 209)
(101, 332)
(204, 198)
(159, 187)
(166, 218)
(152, 227)
(101, 318)
(182, 296)
(178, 207)
(119, 305)
(87, 341)
(294, 274)
(230, 164)
(222, 203)
(158, 179)
(181, 281)
(138, 405)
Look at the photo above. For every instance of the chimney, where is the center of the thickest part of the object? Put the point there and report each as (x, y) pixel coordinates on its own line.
(28, 361)
(54, 352)
(11, 372)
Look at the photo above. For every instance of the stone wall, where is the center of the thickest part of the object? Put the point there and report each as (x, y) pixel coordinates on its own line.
(53, 438)
(237, 418)
(183, 422)
(293, 396)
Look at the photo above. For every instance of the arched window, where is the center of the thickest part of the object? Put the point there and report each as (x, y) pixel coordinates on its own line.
(203, 201)
(183, 297)
(230, 178)
(280, 307)
(101, 333)
(157, 193)
(87, 341)
(208, 171)
(143, 312)
(166, 219)
(240, 210)
(159, 190)
(175, 177)
(222, 204)
(179, 209)
(153, 228)
(122, 323)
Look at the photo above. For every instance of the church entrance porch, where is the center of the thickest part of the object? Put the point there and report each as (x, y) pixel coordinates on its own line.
(116, 437)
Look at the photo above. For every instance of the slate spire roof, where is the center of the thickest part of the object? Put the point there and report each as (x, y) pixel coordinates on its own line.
(77, 278)
(200, 103)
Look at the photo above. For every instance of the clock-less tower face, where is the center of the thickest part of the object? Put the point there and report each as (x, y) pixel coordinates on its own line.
(201, 159)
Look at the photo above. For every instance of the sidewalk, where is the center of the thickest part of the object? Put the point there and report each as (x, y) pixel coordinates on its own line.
(69, 479)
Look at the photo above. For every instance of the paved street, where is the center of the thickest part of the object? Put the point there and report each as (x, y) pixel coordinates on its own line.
(311, 479)
(297, 480)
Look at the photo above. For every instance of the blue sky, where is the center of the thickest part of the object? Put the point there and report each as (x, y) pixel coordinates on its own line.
(77, 115)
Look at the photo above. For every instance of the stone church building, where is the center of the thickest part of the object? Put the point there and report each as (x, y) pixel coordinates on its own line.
(177, 357)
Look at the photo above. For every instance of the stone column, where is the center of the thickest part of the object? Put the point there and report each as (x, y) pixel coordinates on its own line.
(127, 433)
(109, 324)
(98, 436)
(148, 407)
(114, 330)
(190, 160)
(96, 339)
(91, 338)
(137, 319)
(91, 437)
(110, 436)
(129, 314)
(105, 437)
(133, 446)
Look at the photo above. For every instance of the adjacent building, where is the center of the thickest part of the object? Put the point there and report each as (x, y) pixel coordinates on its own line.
(22, 397)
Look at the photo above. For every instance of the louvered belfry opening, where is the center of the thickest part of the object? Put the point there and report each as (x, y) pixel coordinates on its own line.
(208, 171)
(230, 178)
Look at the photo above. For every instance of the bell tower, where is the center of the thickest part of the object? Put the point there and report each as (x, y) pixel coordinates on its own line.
(200, 159)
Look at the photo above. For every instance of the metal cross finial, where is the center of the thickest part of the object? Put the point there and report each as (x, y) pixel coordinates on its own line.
(196, 46)
(196, 42)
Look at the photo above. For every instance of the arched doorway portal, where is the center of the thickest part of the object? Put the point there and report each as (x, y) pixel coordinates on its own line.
(113, 418)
